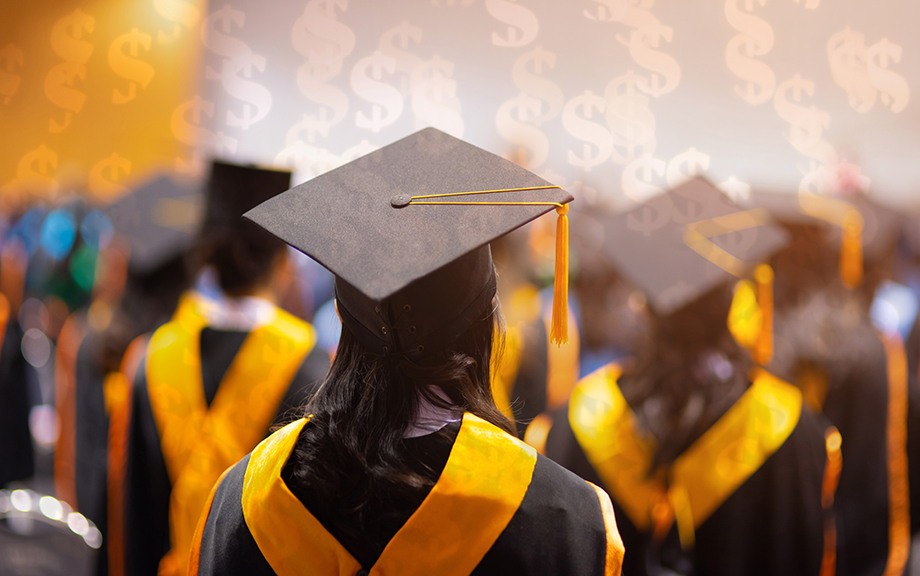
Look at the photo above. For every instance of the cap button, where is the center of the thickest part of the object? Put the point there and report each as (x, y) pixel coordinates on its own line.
(400, 201)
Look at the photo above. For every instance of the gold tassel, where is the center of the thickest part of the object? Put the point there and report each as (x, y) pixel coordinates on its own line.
(851, 256)
(763, 352)
(559, 332)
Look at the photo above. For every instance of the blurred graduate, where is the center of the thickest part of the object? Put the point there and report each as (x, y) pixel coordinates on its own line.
(714, 466)
(213, 380)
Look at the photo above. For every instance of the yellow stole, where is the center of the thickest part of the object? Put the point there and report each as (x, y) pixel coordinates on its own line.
(482, 486)
(198, 442)
(704, 476)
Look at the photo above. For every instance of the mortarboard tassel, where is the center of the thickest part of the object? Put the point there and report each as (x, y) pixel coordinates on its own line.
(851, 256)
(559, 332)
(763, 348)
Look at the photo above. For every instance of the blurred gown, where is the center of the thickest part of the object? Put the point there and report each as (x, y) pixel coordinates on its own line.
(497, 508)
(203, 398)
(16, 459)
(744, 498)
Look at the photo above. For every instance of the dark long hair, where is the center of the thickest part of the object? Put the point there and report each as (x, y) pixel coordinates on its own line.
(687, 373)
(351, 449)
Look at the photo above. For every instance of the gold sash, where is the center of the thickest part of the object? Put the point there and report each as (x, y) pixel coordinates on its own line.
(704, 476)
(198, 442)
(482, 486)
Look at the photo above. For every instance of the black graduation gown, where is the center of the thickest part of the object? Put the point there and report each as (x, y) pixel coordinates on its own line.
(770, 524)
(147, 484)
(16, 458)
(508, 511)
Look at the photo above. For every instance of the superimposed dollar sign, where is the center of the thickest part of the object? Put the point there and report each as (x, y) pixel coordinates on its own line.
(522, 23)
(527, 74)
(325, 42)
(514, 121)
(236, 69)
(653, 215)
(895, 92)
(11, 58)
(309, 124)
(686, 165)
(387, 103)
(395, 43)
(755, 39)
(319, 36)
(434, 99)
(105, 177)
(687, 206)
(187, 127)
(597, 142)
(68, 43)
(638, 176)
(67, 36)
(182, 14)
(665, 71)
(128, 66)
(817, 180)
(33, 172)
(631, 122)
(307, 160)
(362, 148)
(846, 52)
(806, 123)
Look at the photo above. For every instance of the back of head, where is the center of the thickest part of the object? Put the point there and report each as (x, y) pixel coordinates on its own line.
(242, 254)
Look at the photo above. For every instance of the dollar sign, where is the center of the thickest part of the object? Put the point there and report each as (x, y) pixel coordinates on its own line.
(394, 43)
(11, 57)
(186, 125)
(522, 23)
(533, 84)
(665, 69)
(307, 160)
(806, 123)
(755, 39)
(381, 95)
(631, 122)
(895, 90)
(735, 189)
(238, 59)
(818, 180)
(313, 126)
(592, 134)
(608, 10)
(128, 66)
(693, 209)
(651, 216)
(319, 36)
(514, 122)
(434, 100)
(106, 188)
(846, 52)
(639, 189)
(695, 162)
(67, 34)
(181, 14)
(363, 148)
(33, 172)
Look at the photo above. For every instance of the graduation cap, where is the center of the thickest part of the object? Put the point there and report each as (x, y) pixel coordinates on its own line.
(233, 189)
(405, 231)
(864, 228)
(159, 220)
(678, 246)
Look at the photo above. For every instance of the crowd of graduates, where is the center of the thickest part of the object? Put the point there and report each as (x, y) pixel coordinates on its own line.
(741, 378)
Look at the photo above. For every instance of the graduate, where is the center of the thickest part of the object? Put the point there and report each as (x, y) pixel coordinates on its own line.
(714, 466)
(847, 369)
(402, 463)
(212, 381)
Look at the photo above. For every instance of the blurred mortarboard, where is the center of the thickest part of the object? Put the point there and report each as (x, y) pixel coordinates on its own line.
(680, 245)
(406, 229)
(159, 219)
(234, 189)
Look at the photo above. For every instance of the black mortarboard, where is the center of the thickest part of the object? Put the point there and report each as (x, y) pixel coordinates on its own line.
(405, 230)
(159, 219)
(680, 245)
